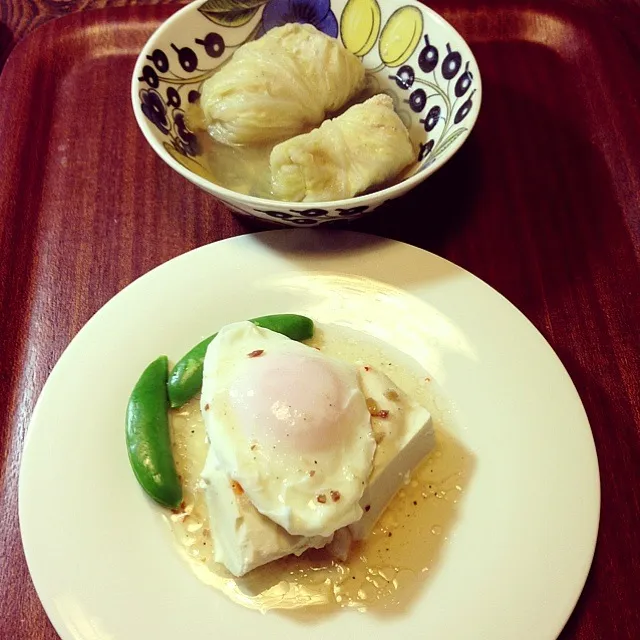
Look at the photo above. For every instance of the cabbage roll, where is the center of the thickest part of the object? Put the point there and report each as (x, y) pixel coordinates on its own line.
(279, 86)
(366, 145)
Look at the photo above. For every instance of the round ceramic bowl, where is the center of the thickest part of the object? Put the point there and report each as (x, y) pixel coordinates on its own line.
(410, 53)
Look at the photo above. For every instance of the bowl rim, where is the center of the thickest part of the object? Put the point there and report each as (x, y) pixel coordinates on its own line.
(388, 193)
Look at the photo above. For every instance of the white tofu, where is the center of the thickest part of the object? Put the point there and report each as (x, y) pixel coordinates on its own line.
(245, 539)
(405, 437)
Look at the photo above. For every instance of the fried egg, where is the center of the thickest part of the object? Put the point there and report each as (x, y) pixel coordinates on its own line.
(290, 426)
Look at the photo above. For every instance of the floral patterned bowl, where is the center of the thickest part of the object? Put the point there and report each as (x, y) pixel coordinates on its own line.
(409, 51)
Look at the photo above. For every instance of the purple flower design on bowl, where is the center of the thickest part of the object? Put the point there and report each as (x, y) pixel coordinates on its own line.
(154, 109)
(315, 12)
(187, 143)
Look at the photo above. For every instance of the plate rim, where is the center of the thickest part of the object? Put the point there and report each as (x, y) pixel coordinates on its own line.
(359, 237)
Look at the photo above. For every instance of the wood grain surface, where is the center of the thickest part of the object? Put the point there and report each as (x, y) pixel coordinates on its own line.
(20, 17)
(542, 203)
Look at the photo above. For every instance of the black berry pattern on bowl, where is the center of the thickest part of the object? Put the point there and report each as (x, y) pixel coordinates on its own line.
(441, 98)
(311, 217)
(173, 79)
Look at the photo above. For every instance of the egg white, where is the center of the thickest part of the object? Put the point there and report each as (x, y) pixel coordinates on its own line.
(309, 485)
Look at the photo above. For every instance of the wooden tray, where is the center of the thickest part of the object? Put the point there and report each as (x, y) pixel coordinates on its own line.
(542, 203)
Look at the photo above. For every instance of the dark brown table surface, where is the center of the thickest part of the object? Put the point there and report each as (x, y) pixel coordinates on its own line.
(542, 203)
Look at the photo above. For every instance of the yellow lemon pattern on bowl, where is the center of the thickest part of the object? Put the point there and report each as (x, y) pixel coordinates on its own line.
(400, 36)
(360, 26)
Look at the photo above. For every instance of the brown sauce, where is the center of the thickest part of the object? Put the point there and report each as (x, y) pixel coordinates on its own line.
(384, 572)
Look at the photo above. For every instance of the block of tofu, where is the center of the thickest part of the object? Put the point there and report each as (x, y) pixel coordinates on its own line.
(404, 438)
(245, 539)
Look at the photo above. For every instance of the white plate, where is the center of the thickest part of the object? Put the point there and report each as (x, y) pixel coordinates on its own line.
(100, 555)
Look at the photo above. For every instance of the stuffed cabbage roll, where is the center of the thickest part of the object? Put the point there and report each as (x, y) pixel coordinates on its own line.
(279, 85)
(366, 145)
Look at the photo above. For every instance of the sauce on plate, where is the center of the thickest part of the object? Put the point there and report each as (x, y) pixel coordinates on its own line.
(385, 570)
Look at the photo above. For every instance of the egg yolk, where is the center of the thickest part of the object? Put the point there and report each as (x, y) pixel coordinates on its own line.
(293, 402)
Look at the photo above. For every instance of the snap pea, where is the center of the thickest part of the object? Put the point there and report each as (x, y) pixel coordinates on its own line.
(185, 379)
(148, 438)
